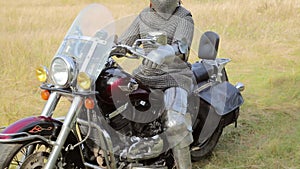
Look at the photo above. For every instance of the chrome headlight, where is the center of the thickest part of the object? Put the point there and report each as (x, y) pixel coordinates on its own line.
(62, 71)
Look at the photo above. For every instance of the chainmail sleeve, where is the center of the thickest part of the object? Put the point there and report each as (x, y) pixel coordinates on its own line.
(131, 34)
(184, 33)
(185, 29)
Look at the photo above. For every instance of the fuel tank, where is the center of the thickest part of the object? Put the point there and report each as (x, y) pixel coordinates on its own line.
(118, 88)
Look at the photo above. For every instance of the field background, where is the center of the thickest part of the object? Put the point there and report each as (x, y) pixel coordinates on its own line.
(262, 37)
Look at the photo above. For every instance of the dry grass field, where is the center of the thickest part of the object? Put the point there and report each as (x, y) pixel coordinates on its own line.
(262, 37)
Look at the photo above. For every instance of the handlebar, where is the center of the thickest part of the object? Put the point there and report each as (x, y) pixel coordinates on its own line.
(135, 51)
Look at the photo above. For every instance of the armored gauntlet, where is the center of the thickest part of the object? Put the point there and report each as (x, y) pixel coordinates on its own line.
(162, 55)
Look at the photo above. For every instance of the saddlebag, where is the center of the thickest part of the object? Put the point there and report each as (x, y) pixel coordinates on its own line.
(219, 107)
(225, 100)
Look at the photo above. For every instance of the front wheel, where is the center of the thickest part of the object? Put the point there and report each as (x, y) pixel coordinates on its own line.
(207, 147)
(31, 155)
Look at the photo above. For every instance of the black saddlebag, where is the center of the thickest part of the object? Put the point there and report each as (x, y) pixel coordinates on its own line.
(219, 107)
(225, 100)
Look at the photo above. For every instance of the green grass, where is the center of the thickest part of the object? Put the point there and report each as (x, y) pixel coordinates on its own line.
(261, 37)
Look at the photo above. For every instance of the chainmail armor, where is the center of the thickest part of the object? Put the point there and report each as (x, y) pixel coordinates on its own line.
(178, 26)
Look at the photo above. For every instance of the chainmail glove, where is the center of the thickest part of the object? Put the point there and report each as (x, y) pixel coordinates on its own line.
(119, 51)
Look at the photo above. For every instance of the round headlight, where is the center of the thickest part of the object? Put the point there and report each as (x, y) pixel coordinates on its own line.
(62, 71)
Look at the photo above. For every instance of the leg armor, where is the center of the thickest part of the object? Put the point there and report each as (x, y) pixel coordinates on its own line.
(179, 126)
(178, 121)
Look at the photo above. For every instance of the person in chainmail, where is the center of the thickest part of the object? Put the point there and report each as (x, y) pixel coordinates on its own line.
(166, 68)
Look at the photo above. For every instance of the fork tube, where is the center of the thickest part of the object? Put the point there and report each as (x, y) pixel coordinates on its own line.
(65, 130)
(51, 104)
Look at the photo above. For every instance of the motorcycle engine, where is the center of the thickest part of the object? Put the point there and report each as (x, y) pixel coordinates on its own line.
(129, 128)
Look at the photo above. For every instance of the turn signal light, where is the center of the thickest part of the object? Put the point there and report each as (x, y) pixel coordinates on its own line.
(89, 103)
(45, 94)
(41, 74)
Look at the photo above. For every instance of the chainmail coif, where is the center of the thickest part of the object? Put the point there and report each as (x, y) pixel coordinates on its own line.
(178, 26)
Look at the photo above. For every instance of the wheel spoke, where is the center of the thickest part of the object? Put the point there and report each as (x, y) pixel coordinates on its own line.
(16, 162)
(23, 151)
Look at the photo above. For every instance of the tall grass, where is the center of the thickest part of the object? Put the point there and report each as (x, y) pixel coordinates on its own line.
(261, 37)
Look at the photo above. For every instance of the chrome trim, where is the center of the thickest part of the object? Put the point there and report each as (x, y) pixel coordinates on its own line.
(87, 38)
(88, 57)
(118, 111)
(64, 132)
(221, 65)
(240, 86)
(105, 141)
(93, 166)
(201, 88)
(218, 63)
(62, 118)
(26, 137)
(196, 148)
(88, 133)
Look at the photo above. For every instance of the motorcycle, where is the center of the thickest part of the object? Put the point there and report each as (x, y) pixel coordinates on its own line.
(109, 105)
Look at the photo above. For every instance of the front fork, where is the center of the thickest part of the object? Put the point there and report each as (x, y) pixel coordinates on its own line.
(66, 127)
(51, 104)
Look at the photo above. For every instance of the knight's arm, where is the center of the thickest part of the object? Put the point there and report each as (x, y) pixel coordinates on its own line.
(183, 37)
(131, 34)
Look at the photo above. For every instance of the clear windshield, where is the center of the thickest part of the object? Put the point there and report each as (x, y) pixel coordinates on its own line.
(89, 39)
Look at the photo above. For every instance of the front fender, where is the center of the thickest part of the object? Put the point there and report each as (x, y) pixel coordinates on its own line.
(43, 126)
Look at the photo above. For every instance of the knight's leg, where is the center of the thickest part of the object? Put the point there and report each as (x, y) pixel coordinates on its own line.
(182, 157)
(179, 127)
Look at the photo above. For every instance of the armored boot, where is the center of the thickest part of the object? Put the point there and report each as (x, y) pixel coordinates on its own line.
(182, 157)
(144, 148)
(179, 138)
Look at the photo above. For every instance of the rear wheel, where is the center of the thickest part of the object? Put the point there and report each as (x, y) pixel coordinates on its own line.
(205, 149)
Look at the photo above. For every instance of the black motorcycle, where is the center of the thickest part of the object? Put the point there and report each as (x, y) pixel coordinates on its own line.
(108, 105)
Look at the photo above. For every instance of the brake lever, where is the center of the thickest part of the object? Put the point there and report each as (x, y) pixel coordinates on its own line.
(136, 52)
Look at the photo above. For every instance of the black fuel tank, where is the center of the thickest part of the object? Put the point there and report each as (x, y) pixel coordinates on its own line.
(112, 85)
